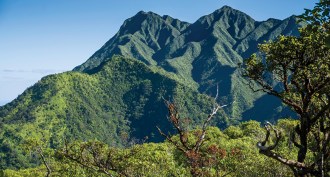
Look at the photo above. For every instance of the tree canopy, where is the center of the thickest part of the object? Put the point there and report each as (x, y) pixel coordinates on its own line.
(296, 69)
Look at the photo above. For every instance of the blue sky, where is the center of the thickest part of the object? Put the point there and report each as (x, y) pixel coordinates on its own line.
(41, 37)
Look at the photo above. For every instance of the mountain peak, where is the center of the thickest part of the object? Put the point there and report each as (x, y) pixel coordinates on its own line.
(141, 12)
(145, 14)
(229, 11)
(237, 24)
(148, 18)
(142, 16)
(135, 23)
(226, 8)
(225, 14)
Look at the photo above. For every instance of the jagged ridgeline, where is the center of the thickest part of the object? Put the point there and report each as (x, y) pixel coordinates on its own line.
(111, 98)
(203, 54)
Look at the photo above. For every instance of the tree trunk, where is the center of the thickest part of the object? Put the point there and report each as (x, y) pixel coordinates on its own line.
(303, 133)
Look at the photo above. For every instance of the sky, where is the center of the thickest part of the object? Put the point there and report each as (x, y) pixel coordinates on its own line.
(42, 37)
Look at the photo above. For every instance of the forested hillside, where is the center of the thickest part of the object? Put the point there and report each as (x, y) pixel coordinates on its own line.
(142, 103)
(205, 54)
(121, 102)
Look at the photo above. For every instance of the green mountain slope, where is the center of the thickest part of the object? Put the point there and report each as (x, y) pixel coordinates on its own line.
(204, 54)
(124, 97)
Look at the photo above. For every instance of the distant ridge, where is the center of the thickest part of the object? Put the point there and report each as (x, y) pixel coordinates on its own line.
(151, 34)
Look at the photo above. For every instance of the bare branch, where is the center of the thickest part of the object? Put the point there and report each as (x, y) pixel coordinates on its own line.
(97, 162)
(191, 152)
(209, 117)
(290, 163)
(174, 118)
(171, 141)
(40, 152)
(77, 160)
(262, 145)
(267, 150)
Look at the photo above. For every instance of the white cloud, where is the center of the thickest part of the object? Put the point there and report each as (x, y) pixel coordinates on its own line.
(38, 71)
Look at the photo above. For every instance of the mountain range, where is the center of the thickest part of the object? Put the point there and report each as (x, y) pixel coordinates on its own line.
(117, 95)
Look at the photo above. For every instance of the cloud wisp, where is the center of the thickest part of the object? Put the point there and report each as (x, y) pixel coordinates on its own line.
(37, 71)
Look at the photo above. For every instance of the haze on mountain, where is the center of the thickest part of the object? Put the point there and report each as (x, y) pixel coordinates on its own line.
(118, 92)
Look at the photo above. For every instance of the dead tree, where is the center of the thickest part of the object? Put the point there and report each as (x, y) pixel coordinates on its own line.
(191, 152)
(44, 160)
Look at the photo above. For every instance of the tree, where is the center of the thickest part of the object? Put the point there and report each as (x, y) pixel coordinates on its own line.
(317, 19)
(97, 156)
(191, 150)
(297, 71)
(35, 146)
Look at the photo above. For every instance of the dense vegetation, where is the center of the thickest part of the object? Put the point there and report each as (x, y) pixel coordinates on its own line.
(231, 152)
(98, 121)
(121, 103)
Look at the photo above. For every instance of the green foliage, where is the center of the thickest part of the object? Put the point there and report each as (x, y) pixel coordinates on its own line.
(296, 70)
(119, 104)
(234, 132)
(317, 19)
(222, 155)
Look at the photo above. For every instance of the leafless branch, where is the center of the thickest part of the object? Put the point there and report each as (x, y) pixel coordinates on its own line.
(44, 161)
(268, 150)
(175, 119)
(194, 157)
(205, 125)
(96, 162)
(171, 141)
(269, 127)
